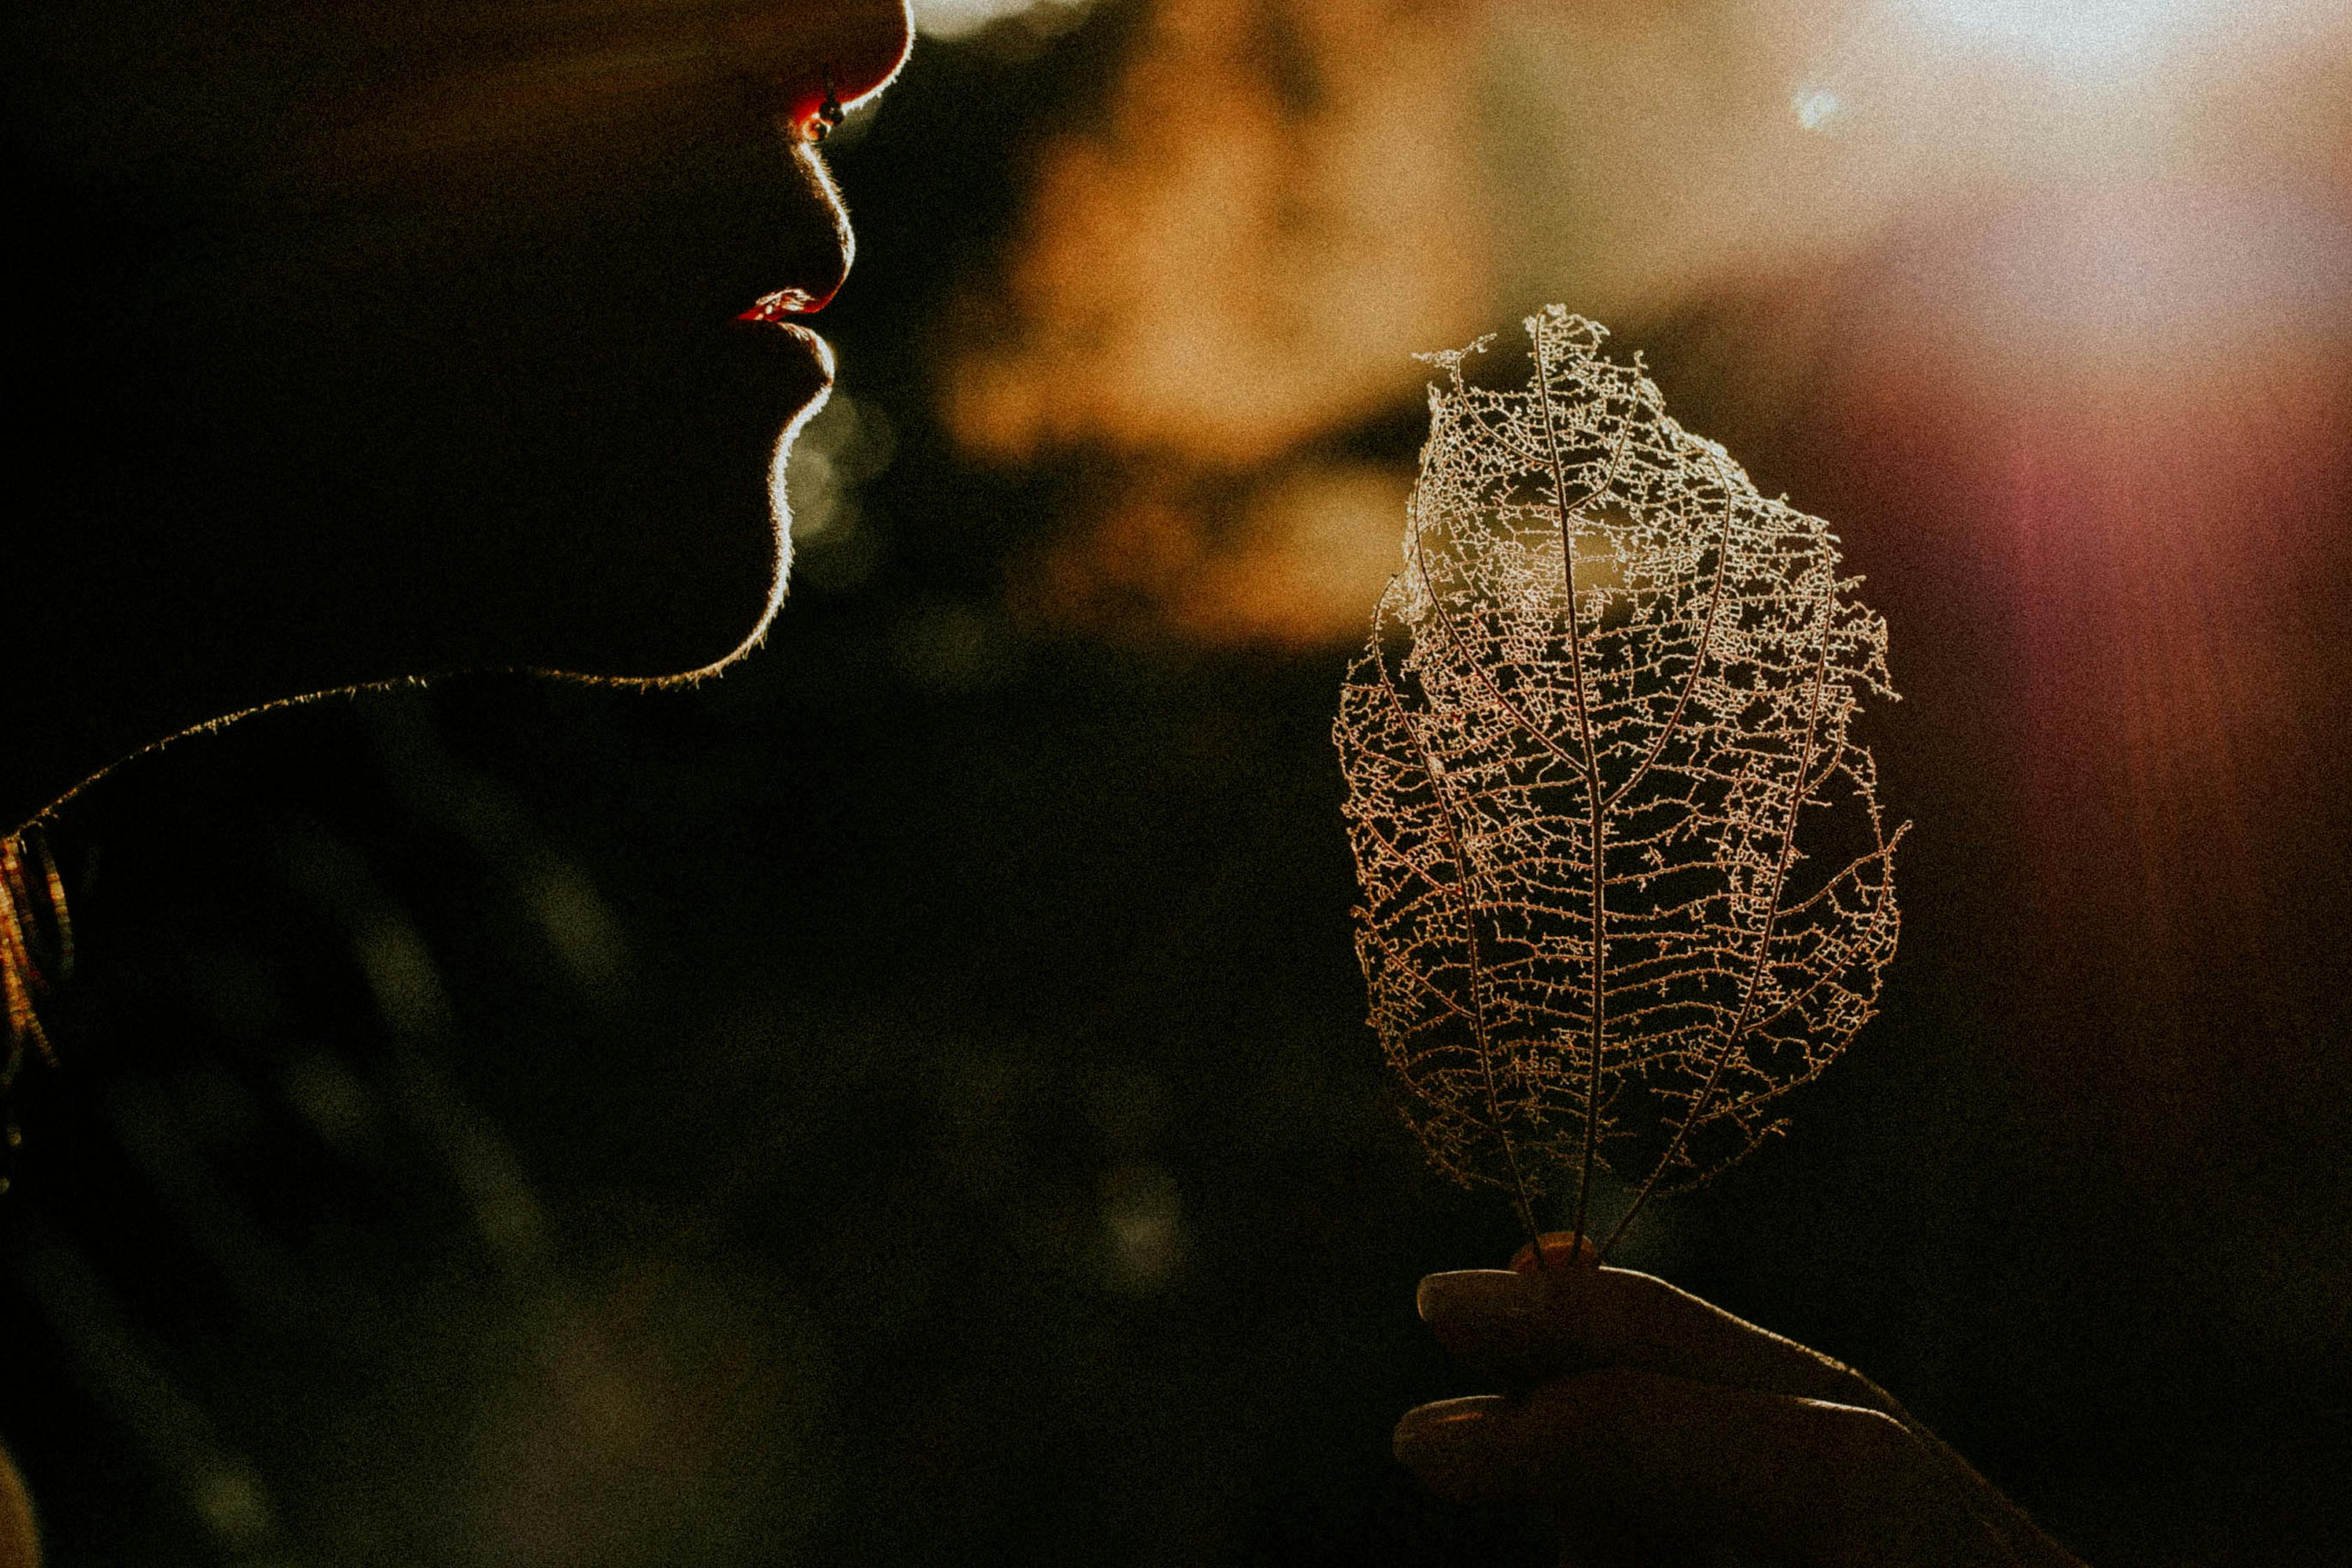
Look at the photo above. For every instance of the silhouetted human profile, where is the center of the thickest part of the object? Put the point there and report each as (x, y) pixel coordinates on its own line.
(363, 344)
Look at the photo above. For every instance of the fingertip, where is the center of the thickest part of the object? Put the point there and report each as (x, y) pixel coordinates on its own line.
(1444, 1295)
(1560, 1249)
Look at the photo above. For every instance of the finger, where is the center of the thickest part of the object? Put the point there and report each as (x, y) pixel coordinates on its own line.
(1560, 1250)
(20, 1543)
(1527, 1326)
(1808, 1480)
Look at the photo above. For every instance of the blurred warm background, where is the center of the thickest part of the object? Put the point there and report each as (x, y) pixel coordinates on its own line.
(906, 1101)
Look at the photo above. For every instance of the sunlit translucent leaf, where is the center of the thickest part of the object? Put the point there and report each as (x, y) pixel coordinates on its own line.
(1625, 878)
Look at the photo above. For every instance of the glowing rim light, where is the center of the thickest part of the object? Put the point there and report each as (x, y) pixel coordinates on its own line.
(780, 505)
(961, 18)
(1816, 107)
(2080, 35)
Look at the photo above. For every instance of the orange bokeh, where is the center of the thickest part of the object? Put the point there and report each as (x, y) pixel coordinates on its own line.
(1221, 283)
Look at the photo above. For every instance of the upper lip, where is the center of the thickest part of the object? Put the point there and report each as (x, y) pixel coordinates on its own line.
(783, 303)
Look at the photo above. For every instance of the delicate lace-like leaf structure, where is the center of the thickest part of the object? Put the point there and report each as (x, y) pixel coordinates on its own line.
(1625, 878)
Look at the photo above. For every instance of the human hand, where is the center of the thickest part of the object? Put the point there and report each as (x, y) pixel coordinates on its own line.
(1661, 1429)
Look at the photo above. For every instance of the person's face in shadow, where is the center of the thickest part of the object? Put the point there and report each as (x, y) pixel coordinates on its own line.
(364, 341)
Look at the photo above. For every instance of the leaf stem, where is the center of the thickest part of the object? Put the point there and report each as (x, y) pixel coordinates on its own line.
(1592, 788)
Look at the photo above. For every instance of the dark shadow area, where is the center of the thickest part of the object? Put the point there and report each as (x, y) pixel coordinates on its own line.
(908, 1101)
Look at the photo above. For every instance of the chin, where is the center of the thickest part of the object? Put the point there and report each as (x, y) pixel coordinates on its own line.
(750, 631)
(683, 564)
(807, 355)
(779, 508)
(778, 534)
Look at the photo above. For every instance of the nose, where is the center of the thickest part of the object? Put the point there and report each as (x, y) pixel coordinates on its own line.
(817, 58)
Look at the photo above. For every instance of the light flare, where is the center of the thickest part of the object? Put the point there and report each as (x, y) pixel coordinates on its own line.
(2079, 37)
(1816, 108)
(1213, 305)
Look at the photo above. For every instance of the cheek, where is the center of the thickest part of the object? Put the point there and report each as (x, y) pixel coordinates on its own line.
(536, 437)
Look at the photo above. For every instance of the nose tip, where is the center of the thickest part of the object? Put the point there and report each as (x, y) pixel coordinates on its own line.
(850, 50)
(878, 35)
